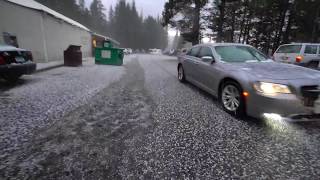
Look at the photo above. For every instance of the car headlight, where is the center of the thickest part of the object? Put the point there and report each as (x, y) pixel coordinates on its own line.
(271, 88)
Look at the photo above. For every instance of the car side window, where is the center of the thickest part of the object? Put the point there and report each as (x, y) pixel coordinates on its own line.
(194, 51)
(289, 49)
(311, 49)
(189, 52)
(205, 51)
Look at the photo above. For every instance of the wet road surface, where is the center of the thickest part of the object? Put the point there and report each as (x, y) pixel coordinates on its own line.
(143, 124)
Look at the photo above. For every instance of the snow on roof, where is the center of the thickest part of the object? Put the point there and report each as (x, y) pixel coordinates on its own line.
(107, 38)
(37, 6)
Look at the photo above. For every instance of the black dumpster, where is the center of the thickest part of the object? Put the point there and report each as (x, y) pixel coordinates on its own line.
(73, 56)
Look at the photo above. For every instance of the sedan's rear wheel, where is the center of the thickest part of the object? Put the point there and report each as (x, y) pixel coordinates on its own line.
(181, 76)
(12, 78)
(313, 65)
(232, 100)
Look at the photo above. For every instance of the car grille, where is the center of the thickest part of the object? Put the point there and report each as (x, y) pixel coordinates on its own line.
(310, 94)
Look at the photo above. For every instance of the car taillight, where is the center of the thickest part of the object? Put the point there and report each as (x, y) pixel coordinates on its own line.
(29, 56)
(2, 60)
(299, 59)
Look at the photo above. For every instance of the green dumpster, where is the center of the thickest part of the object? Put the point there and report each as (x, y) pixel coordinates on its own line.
(109, 55)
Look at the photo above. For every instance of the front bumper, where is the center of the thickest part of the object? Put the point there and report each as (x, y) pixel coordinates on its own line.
(25, 68)
(288, 106)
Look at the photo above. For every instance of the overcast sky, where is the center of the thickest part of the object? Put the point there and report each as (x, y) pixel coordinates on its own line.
(149, 7)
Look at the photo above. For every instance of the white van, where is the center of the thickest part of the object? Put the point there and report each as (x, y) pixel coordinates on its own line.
(304, 54)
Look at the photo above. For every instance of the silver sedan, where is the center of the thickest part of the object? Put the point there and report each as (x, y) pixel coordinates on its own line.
(246, 82)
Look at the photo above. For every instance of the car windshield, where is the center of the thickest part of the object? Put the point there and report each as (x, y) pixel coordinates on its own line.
(235, 54)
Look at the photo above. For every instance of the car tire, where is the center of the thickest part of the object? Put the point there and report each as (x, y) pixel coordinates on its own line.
(11, 78)
(232, 99)
(313, 64)
(181, 75)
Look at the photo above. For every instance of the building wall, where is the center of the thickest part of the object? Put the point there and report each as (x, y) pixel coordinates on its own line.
(46, 36)
(59, 35)
(25, 25)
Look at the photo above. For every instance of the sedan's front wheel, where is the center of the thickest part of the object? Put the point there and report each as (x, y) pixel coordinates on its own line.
(232, 100)
(181, 76)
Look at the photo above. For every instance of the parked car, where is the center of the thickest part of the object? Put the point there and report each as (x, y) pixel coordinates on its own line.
(247, 83)
(182, 52)
(304, 54)
(169, 52)
(172, 52)
(15, 62)
(155, 51)
(128, 51)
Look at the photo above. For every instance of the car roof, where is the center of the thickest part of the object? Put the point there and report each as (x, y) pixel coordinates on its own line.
(222, 44)
(300, 44)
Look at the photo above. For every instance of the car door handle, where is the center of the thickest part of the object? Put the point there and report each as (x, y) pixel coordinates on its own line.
(196, 63)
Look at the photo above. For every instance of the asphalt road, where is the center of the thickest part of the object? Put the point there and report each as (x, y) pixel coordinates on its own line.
(139, 122)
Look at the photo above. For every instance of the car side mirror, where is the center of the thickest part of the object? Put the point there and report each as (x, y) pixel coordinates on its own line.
(208, 59)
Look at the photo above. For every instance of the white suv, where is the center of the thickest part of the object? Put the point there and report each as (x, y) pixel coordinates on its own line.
(304, 54)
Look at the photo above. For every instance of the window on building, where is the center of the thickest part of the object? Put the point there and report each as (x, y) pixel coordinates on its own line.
(10, 39)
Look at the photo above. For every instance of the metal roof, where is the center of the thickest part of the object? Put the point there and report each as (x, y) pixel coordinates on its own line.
(107, 38)
(37, 6)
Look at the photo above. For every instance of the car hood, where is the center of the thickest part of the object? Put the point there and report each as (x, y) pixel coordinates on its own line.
(276, 71)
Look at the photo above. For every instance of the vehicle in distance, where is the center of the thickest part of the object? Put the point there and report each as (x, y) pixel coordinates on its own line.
(247, 83)
(15, 62)
(128, 51)
(304, 54)
(155, 51)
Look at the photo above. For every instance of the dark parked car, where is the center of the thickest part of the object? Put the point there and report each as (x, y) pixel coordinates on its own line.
(15, 62)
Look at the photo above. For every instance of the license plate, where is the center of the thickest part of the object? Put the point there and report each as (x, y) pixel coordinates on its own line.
(317, 106)
(20, 59)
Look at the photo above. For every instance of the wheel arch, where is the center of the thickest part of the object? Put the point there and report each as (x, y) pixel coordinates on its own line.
(230, 79)
(227, 79)
(179, 64)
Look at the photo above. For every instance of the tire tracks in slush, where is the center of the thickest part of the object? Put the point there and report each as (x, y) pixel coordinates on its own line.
(99, 140)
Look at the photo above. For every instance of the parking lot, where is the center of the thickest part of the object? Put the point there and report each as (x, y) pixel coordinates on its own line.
(138, 121)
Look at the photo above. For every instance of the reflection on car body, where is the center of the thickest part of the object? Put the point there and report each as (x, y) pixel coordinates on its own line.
(246, 82)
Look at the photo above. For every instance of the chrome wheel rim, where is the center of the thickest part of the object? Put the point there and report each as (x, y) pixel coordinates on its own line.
(231, 98)
(180, 73)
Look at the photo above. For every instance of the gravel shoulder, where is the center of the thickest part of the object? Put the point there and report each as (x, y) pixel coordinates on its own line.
(96, 141)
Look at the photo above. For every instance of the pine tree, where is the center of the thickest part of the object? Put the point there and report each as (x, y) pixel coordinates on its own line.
(98, 17)
(190, 23)
(82, 5)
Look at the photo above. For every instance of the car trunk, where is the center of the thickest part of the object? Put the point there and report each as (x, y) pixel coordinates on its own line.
(288, 54)
(17, 57)
(289, 58)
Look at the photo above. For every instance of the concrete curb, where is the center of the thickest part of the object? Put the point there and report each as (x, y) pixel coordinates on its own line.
(48, 68)
(57, 65)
